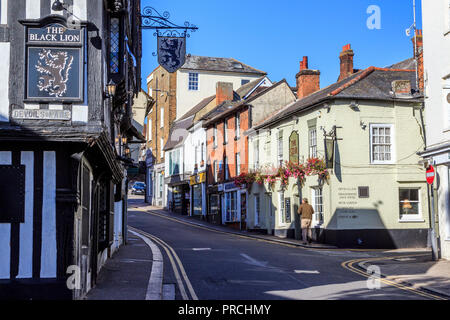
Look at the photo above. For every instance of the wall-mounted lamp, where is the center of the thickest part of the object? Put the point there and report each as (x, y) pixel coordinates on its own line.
(124, 140)
(111, 88)
(354, 106)
(363, 125)
(58, 6)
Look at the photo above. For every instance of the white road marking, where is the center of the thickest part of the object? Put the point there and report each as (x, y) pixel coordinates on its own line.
(254, 262)
(201, 249)
(154, 288)
(307, 271)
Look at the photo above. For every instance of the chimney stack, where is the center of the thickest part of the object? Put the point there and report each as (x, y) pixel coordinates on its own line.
(418, 54)
(308, 81)
(346, 58)
(224, 92)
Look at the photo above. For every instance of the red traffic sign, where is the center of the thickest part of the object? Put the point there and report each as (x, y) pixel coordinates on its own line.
(430, 175)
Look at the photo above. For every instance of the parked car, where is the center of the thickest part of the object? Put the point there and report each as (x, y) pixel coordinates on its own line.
(138, 188)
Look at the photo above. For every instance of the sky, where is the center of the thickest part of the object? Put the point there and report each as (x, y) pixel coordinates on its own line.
(273, 36)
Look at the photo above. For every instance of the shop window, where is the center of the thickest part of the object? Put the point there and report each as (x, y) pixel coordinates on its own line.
(12, 194)
(231, 207)
(409, 202)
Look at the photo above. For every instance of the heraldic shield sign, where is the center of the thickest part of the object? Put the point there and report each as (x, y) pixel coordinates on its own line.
(54, 61)
(171, 52)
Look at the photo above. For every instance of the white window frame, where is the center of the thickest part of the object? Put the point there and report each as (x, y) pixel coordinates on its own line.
(392, 143)
(445, 92)
(216, 171)
(447, 18)
(412, 217)
(150, 135)
(280, 155)
(312, 134)
(231, 209)
(238, 164)
(257, 209)
(193, 81)
(215, 136)
(317, 193)
(281, 209)
(162, 117)
(256, 154)
(225, 131)
(238, 126)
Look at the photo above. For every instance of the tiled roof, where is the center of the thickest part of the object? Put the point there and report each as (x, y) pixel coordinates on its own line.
(405, 64)
(371, 83)
(198, 107)
(219, 64)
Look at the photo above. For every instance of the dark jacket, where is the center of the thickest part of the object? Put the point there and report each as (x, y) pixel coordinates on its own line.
(306, 211)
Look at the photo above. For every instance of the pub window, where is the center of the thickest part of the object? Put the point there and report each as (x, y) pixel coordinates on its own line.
(313, 142)
(280, 147)
(282, 216)
(410, 204)
(317, 197)
(114, 63)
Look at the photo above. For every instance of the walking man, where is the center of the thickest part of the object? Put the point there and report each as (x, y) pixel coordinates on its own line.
(306, 211)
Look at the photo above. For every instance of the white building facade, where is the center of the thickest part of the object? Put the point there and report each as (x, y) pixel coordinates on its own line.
(436, 34)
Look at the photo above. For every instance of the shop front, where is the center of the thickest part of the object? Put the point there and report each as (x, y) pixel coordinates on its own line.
(234, 206)
(198, 195)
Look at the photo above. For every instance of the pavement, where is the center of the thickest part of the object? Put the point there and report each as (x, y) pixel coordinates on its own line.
(126, 275)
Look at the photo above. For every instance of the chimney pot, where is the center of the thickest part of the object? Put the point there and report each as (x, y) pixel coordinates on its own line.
(346, 58)
(308, 81)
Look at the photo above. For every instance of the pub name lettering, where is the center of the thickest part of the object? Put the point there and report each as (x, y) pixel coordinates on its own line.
(54, 34)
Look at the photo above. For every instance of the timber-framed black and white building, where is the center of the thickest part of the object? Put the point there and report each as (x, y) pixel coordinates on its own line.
(70, 70)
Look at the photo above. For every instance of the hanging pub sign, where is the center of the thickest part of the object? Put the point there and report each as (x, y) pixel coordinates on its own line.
(329, 152)
(54, 61)
(171, 52)
(293, 148)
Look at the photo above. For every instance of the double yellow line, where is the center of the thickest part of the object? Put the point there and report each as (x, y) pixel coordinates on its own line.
(177, 266)
(350, 265)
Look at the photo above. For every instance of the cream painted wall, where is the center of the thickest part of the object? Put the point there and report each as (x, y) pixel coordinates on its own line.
(381, 209)
(187, 99)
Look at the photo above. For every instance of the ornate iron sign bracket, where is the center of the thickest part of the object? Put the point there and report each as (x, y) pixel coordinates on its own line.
(153, 20)
(171, 38)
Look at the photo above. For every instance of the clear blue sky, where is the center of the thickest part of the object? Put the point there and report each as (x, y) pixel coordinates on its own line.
(274, 35)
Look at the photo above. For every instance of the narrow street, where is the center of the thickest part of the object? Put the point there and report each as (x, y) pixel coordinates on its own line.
(230, 267)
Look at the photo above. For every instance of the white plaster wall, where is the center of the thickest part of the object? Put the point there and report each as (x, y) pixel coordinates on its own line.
(4, 80)
(195, 139)
(33, 9)
(436, 39)
(443, 209)
(207, 80)
(5, 230)
(4, 12)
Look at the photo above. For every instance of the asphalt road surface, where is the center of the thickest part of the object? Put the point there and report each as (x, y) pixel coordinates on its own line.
(222, 266)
